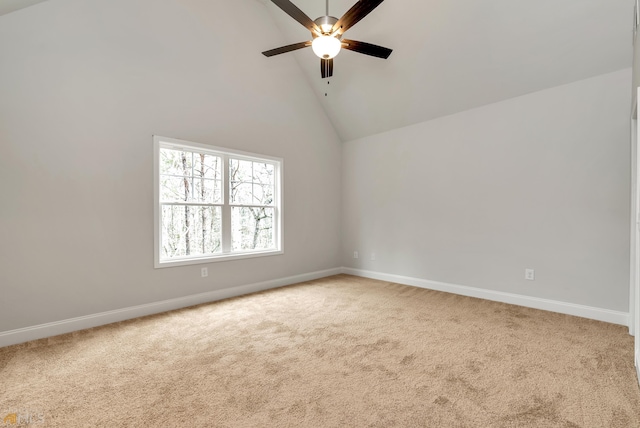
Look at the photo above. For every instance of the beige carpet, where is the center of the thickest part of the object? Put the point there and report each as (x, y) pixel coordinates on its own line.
(337, 352)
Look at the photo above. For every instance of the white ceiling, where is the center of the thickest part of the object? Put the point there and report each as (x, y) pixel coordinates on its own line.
(8, 6)
(449, 56)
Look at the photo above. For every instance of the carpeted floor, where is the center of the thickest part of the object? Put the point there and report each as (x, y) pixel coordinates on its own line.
(341, 351)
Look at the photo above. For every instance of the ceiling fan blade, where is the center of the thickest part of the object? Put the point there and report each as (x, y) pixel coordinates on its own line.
(358, 11)
(326, 67)
(285, 49)
(293, 11)
(366, 48)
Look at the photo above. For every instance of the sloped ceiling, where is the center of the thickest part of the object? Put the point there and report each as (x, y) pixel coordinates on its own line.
(449, 56)
(8, 6)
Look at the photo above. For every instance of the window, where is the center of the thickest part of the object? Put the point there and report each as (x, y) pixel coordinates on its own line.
(214, 204)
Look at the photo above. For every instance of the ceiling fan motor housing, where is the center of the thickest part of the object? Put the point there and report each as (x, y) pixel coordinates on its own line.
(326, 23)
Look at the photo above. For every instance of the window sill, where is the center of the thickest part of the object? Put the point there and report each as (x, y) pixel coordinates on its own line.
(216, 258)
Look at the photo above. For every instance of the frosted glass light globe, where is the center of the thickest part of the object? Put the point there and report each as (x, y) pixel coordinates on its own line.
(326, 47)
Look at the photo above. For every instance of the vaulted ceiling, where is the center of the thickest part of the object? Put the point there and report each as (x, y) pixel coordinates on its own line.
(448, 56)
(7, 6)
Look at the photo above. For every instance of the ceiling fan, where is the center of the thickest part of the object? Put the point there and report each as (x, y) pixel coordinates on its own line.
(327, 32)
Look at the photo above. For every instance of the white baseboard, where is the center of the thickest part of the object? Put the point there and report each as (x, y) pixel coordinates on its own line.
(599, 314)
(55, 328)
(41, 331)
(638, 367)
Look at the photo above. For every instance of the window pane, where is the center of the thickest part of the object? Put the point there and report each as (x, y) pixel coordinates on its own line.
(240, 170)
(175, 189)
(190, 231)
(262, 195)
(263, 173)
(175, 162)
(202, 183)
(207, 166)
(252, 183)
(241, 193)
(251, 228)
(207, 191)
(206, 230)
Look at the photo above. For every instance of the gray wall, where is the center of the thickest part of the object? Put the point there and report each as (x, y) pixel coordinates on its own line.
(540, 181)
(84, 85)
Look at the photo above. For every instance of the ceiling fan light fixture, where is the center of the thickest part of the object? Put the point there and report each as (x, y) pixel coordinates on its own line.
(326, 47)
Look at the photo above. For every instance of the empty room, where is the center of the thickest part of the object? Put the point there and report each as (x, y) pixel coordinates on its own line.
(319, 213)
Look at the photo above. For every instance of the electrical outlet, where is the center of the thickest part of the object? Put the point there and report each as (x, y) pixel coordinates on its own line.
(204, 272)
(373, 256)
(529, 274)
(355, 254)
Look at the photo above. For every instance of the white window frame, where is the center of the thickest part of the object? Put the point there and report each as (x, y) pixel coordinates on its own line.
(225, 153)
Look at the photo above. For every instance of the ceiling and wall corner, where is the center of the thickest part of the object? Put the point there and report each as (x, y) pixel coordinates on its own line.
(8, 6)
